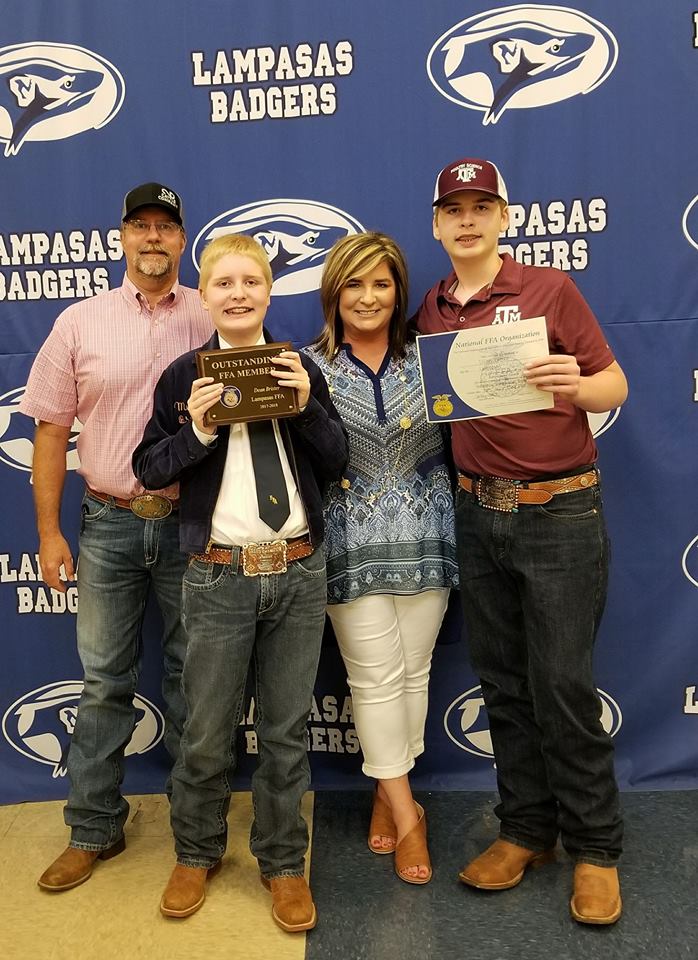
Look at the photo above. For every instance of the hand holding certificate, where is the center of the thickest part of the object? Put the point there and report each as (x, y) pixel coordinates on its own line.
(480, 372)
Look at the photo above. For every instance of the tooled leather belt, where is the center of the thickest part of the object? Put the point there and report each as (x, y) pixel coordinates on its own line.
(259, 559)
(498, 493)
(147, 506)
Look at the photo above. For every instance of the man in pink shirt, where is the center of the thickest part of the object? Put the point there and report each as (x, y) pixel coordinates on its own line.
(100, 364)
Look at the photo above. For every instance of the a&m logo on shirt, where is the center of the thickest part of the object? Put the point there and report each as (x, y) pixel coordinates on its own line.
(510, 314)
(49, 91)
(518, 57)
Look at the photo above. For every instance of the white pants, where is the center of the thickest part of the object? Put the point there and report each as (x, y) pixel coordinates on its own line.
(386, 642)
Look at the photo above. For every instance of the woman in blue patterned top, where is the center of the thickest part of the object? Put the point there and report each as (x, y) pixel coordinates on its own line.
(389, 529)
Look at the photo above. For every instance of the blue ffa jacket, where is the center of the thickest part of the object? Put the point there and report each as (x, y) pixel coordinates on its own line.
(315, 443)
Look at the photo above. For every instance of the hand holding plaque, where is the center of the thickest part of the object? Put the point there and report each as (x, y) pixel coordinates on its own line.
(250, 392)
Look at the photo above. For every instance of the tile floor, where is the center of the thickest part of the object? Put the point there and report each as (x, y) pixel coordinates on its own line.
(365, 912)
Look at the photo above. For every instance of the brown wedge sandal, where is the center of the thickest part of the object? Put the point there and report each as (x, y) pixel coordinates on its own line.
(382, 825)
(412, 851)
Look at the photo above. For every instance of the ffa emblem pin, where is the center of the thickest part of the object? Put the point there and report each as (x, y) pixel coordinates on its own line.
(230, 397)
(442, 405)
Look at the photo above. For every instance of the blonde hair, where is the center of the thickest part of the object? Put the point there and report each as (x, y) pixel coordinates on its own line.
(236, 243)
(354, 256)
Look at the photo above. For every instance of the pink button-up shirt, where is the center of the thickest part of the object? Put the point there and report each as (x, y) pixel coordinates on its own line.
(100, 364)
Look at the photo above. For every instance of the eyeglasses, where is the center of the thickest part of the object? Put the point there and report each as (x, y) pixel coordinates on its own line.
(166, 228)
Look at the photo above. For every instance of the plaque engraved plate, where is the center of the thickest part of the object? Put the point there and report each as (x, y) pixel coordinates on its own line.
(250, 392)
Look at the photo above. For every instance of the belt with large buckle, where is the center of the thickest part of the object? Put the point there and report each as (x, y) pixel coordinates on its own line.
(147, 506)
(259, 559)
(499, 493)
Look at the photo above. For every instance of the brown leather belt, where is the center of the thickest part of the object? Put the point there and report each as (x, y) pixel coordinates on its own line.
(259, 559)
(498, 493)
(147, 506)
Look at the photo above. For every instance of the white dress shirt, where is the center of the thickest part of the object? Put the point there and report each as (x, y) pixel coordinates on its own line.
(236, 519)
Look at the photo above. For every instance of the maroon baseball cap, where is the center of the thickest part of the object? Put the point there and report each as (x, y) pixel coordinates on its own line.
(469, 174)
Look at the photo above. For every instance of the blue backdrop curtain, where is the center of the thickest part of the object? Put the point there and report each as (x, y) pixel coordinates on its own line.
(301, 122)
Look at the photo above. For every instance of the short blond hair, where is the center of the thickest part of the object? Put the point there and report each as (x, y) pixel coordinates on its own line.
(233, 243)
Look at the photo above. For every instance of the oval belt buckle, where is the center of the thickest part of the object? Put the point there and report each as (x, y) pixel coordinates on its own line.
(151, 506)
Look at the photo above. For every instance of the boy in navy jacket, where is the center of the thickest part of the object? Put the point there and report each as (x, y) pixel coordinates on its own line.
(235, 616)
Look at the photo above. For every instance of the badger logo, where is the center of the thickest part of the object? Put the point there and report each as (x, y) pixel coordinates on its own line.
(16, 445)
(689, 222)
(522, 56)
(40, 724)
(465, 721)
(49, 91)
(295, 234)
(689, 562)
(601, 422)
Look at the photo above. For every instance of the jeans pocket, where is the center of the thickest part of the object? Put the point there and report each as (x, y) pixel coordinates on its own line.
(201, 576)
(93, 510)
(572, 507)
(312, 567)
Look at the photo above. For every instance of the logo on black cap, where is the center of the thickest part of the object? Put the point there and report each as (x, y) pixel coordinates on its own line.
(153, 195)
(168, 196)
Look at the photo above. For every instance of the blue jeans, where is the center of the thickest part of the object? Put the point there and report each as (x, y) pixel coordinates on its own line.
(121, 558)
(533, 588)
(274, 623)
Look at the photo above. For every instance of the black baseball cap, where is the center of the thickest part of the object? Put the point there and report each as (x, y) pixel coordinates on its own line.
(153, 195)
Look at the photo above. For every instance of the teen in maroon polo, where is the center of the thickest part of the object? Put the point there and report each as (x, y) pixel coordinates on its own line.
(533, 553)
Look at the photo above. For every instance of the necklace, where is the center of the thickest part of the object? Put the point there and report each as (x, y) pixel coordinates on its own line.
(405, 422)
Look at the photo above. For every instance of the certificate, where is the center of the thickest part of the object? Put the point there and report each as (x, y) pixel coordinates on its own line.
(480, 372)
(250, 392)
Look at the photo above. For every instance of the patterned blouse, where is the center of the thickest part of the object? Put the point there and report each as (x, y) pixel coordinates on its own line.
(389, 521)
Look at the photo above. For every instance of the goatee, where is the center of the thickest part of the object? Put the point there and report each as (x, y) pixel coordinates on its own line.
(154, 266)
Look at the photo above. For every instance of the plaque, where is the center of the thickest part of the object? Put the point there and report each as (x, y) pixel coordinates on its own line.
(250, 392)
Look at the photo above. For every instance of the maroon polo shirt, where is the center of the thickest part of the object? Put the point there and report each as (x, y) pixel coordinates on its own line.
(541, 443)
